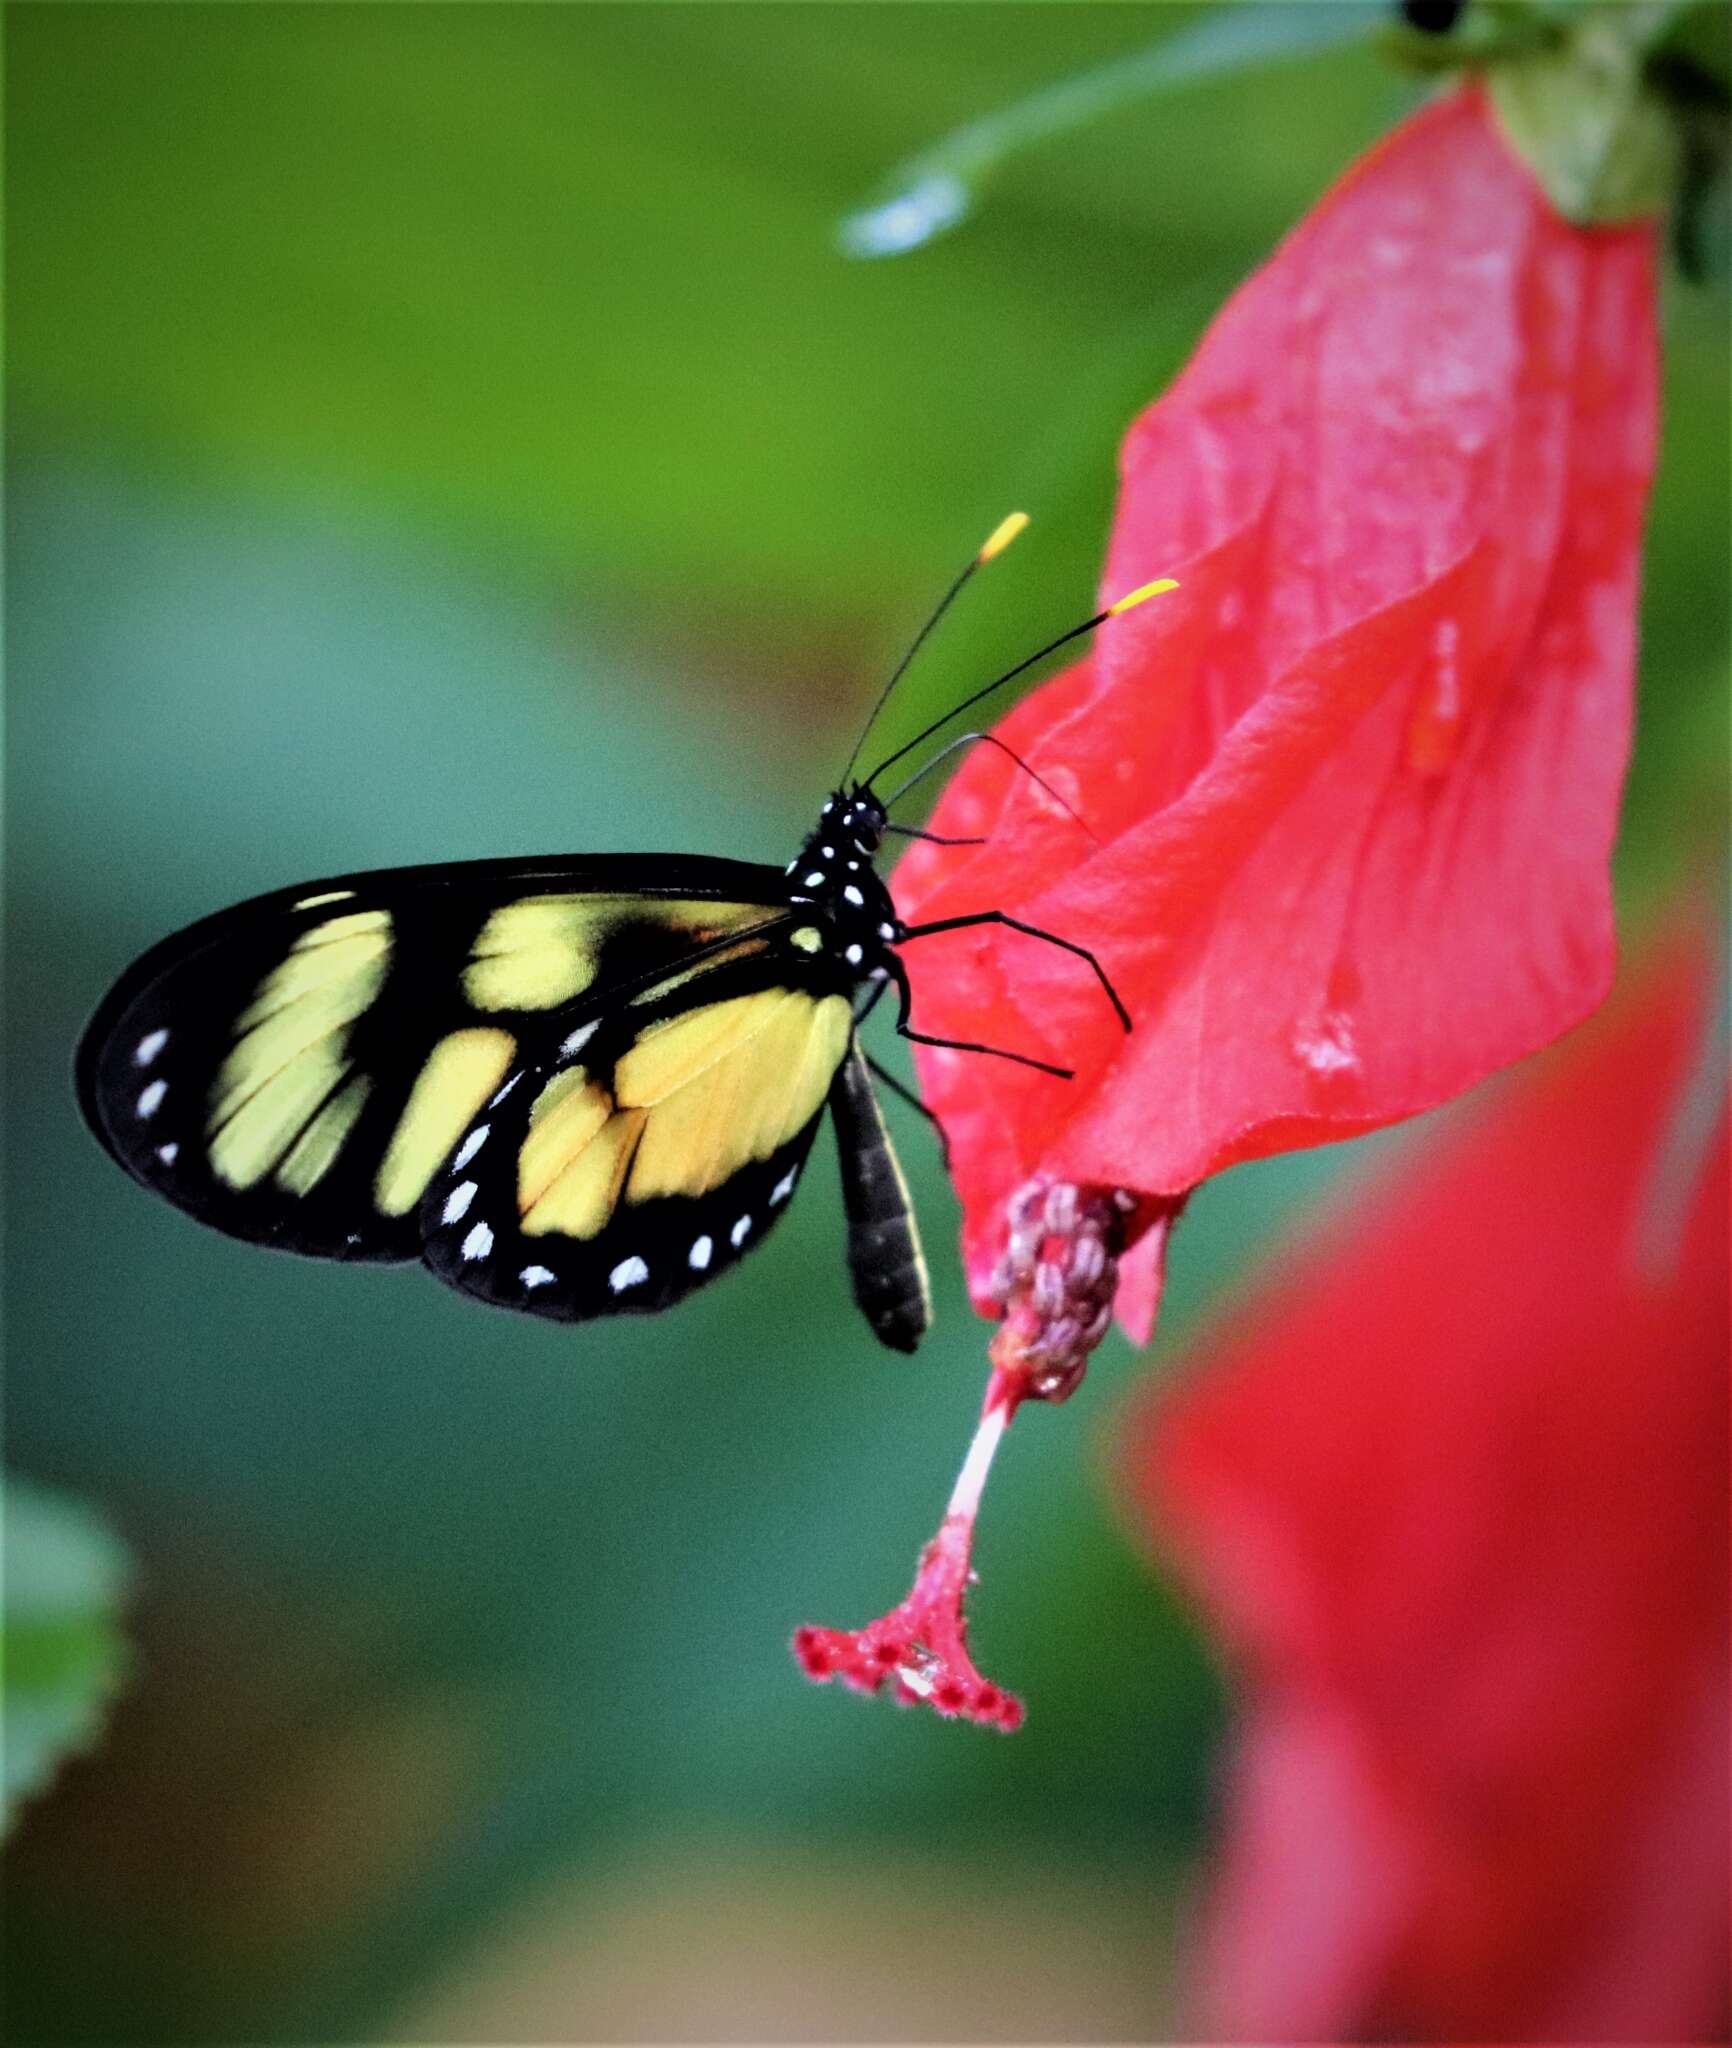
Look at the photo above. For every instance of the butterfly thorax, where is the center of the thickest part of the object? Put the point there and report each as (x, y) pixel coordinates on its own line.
(834, 871)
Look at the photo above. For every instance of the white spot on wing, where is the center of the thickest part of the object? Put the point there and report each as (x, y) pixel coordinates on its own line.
(478, 1243)
(785, 1186)
(630, 1272)
(470, 1146)
(741, 1230)
(699, 1255)
(168, 1154)
(578, 1039)
(457, 1204)
(506, 1090)
(330, 896)
(536, 1276)
(151, 1097)
(148, 1047)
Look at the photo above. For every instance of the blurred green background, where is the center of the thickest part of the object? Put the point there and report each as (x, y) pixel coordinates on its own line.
(437, 432)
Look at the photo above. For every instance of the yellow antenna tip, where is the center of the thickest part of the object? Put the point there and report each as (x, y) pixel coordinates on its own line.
(1002, 535)
(1136, 597)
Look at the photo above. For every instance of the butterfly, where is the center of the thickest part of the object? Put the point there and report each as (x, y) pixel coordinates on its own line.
(573, 1086)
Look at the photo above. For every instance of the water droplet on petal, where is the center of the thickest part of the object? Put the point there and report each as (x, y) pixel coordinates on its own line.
(1326, 1047)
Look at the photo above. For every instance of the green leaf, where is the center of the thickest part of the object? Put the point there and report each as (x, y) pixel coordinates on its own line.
(61, 1653)
(930, 193)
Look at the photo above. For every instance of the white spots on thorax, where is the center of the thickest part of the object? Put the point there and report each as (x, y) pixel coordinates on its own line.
(887, 931)
(478, 1243)
(150, 1098)
(853, 955)
(630, 1272)
(852, 895)
(574, 1042)
(148, 1047)
(740, 1232)
(815, 880)
(785, 1186)
(457, 1204)
(537, 1276)
(829, 852)
(168, 1154)
(698, 1258)
(470, 1146)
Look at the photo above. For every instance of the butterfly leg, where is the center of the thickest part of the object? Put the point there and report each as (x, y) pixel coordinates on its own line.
(1032, 931)
(899, 974)
(931, 838)
(914, 1102)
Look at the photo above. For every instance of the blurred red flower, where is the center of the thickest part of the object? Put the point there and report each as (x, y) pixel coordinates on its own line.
(1355, 783)
(1455, 1497)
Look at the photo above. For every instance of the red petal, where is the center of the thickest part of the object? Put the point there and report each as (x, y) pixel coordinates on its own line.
(1358, 777)
(1457, 1500)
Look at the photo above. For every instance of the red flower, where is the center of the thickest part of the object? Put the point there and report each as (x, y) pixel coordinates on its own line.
(1355, 783)
(1456, 1499)
(1350, 791)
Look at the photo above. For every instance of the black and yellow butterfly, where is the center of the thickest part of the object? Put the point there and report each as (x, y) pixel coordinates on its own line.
(572, 1086)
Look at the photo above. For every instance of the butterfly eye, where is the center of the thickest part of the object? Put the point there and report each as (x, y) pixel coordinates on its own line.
(866, 822)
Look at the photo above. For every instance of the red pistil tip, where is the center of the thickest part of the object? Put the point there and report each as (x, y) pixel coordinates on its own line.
(920, 1648)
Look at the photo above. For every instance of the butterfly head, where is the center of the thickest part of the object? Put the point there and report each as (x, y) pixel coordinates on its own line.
(859, 816)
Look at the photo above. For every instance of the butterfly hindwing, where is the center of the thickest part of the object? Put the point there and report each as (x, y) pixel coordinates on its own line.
(295, 1070)
(653, 1147)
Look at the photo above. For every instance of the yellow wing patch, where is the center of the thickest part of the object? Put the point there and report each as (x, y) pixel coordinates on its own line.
(314, 1152)
(461, 1071)
(541, 951)
(585, 1192)
(282, 1077)
(697, 1098)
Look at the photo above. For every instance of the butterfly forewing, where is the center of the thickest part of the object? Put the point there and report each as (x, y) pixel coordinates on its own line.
(296, 1070)
(655, 1148)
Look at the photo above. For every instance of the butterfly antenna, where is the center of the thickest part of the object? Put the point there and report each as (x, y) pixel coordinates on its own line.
(997, 541)
(1124, 604)
(990, 739)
